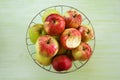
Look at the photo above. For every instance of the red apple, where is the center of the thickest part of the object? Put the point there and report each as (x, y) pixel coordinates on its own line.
(54, 24)
(86, 32)
(82, 52)
(73, 19)
(70, 38)
(47, 46)
(61, 63)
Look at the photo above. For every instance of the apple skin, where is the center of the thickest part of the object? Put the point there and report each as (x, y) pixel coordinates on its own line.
(69, 54)
(70, 38)
(54, 24)
(86, 33)
(47, 46)
(61, 50)
(43, 60)
(82, 52)
(47, 13)
(73, 19)
(61, 63)
(35, 31)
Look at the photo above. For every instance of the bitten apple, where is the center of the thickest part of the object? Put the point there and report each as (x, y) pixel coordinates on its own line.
(61, 63)
(54, 24)
(73, 19)
(43, 60)
(35, 31)
(82, 52)
(70, 38)
(86, 32)
(47, 13)
(47, 46)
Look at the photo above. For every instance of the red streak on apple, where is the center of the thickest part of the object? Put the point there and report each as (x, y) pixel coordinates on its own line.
(86, 32)
(82, 52)
(54, 24)
(48, 46)
(87, 51)
(73, 19)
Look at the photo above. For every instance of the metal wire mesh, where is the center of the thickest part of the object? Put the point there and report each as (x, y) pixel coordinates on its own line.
(37, 19)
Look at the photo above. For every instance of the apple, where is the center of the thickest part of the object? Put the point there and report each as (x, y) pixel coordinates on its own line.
(86, 32)
(82, 52)
(73, 19)
(47, 12)
(70, 38)
(54, 24)
(43, 60)
(61, 63)
(57, 37)
(35, 31)
(47, 46)
(61, 50)
(69, 54)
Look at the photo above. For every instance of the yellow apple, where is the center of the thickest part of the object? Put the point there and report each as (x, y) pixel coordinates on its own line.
(43, 60)
(47, 13)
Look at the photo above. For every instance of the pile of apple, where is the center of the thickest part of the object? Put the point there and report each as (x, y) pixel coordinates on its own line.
(61, 39)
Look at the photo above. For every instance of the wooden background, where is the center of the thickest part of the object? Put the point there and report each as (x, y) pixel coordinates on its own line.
(16, 63)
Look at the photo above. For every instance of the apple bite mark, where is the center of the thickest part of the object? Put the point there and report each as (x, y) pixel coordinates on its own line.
(70, 38)
(73, 42)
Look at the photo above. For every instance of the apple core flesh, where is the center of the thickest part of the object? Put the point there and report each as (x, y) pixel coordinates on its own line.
(70, 38)
(73, 42)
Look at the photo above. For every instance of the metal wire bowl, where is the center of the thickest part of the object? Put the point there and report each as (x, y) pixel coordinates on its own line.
(31, 47)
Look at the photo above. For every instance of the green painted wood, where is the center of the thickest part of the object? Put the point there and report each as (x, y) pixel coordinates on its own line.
(15, 62)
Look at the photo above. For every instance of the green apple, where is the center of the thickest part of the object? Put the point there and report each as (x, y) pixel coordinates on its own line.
(43, 60)
(35, 31)
(48, 12)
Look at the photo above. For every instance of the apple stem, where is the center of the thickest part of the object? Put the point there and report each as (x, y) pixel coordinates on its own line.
(74, 15)
(88, 31)
(69, 34)
(54, 21)
(48, 41)
(84, 48)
